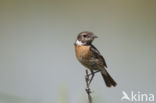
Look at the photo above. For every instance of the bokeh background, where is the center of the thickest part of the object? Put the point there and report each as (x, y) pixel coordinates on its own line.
(37, 59)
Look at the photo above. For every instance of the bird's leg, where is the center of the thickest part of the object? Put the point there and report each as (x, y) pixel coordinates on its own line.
(97, 71)
(92, 75)
(94, 72)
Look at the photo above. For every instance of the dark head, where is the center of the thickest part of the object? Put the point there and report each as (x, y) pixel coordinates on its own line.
(85, 38)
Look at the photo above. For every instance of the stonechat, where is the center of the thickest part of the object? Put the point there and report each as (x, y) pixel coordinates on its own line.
(90, 57)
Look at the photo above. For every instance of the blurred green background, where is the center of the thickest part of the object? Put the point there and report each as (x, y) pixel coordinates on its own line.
(37, 59)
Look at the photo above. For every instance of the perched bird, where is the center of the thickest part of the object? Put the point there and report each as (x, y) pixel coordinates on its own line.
(90, 57)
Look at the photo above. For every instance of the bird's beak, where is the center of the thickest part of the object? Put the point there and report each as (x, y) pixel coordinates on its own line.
(95, 36)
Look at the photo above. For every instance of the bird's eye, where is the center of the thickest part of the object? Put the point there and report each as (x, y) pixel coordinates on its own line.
(85, 36)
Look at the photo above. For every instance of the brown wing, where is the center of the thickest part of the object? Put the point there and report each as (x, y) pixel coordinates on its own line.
(97, 54)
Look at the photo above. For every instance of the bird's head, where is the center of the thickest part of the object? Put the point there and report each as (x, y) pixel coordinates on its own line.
(85, 38)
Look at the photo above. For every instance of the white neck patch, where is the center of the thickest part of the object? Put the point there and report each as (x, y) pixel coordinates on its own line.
(79, 42)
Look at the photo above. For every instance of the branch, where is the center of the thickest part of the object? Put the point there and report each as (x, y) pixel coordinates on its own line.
(87, 87)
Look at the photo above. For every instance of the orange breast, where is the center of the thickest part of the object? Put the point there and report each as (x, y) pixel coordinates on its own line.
(82, 53)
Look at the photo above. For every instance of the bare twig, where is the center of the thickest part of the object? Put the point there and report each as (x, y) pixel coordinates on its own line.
(87, 87)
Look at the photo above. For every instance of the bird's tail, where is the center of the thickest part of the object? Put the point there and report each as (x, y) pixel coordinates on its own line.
(108, 79)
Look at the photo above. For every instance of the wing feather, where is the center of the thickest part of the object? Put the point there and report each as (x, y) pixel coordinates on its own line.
(97, 54)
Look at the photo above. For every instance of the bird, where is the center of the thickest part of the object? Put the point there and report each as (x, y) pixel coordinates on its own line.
(91, 58)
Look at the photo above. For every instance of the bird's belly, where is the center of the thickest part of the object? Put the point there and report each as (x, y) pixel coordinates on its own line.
(84, 56)
(91, 65)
